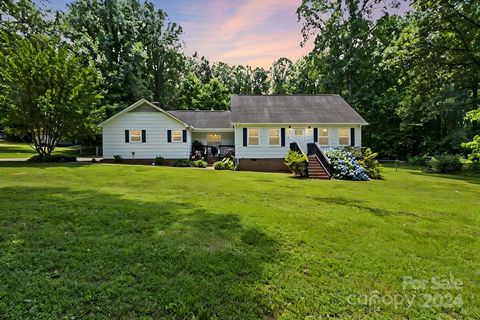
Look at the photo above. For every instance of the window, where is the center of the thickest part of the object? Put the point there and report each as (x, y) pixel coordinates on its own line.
(298, 132)
(135, 135)
(253, 137)
(214, 138)
(323, 137)
(343, 136)
(274, 137)
(177, 135)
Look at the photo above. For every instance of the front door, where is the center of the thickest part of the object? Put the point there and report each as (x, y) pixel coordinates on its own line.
(299, 137)
(214, 140)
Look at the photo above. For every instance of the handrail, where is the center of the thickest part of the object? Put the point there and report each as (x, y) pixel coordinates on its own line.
(294, 146)
(314, 149)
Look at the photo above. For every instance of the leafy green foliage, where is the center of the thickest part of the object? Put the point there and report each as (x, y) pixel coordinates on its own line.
(345, 165)
(219, 165)
(51, 158)
(369, 162)
(225, 164)
(446, 163)
(117, 158)
(474, 148)
(49, 94)
(136, 48)
(296, 162)
(159, 160)
(200, 163)
(182, 163)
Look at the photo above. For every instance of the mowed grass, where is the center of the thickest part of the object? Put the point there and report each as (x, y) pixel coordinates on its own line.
(123, 242)
(15, 150)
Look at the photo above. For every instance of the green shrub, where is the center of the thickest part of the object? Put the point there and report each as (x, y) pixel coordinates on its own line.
(471, 166)
(117, 158)
(51, 158)
(369, 162)
(200, 163)
(182, 163)
(419, 161)
(158, 160)
(296, 163)
(225, 164)
(474, 147)
(446, 163)
(219, 165)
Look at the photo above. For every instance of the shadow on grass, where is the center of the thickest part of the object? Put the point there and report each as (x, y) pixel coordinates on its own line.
(42, 165)
(87, 254)
(359, 204)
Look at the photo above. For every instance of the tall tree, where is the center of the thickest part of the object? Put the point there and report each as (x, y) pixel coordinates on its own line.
(136, 48)
(280, 72)
(48, 93)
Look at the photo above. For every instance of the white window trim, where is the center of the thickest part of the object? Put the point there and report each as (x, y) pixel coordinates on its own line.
(279, 130)
(130, 136)
(327, 136)
(248, 138)
(348, 137)
(181, 136)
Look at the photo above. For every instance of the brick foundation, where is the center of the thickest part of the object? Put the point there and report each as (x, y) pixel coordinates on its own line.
(166, 162)
(266, 165)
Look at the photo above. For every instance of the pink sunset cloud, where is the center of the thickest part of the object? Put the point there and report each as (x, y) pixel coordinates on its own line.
(249, 32)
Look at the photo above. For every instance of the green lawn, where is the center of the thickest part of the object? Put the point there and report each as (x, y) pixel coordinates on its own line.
(116, 241)
(11, 150)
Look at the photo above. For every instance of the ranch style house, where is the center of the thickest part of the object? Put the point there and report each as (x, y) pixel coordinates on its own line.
(258, 130)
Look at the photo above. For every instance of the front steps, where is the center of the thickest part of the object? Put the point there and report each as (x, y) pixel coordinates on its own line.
(315, 169)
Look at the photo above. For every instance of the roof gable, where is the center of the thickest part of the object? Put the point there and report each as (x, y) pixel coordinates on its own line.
(293, 109)
(141, 104)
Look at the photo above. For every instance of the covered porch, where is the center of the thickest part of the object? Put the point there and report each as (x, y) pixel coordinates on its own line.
(213, 145)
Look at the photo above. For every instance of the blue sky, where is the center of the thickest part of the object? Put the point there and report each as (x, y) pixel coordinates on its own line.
(247, 32)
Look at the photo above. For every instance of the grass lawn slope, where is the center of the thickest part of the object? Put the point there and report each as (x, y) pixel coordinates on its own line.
(117, 241)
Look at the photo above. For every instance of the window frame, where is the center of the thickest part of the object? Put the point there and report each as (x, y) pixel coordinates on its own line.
(340, 136)
(257, 136)
(131, 135)
(181, 136)
(279, 137)
(320, 136)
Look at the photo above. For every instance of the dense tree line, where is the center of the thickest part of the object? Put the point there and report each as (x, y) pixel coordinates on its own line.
(413, 77)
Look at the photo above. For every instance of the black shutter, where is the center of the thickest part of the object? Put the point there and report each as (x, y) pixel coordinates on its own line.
(245, 137)
(315, 134)
(169, 136)
(282, 133)
(184, 135)
(144, 136)
(352, 137)
(127, 136)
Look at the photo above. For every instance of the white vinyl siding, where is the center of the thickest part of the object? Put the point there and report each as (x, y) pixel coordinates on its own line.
(156, 124)
(264, 150)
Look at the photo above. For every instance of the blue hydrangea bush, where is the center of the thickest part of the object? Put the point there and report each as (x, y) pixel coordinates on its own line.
(345, 165)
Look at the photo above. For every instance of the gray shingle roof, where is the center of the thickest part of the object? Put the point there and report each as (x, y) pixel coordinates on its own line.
(293, 109)
(204, 119)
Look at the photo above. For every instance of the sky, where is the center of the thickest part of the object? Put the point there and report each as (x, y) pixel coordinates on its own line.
(246, 32)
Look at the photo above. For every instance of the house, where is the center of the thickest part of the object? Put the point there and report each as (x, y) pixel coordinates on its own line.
(259, 129)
